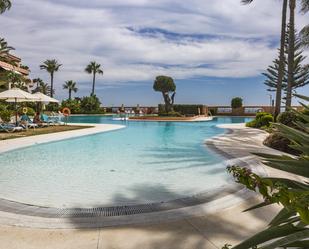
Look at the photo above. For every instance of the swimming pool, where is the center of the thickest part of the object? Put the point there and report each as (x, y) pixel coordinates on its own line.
(144, 162)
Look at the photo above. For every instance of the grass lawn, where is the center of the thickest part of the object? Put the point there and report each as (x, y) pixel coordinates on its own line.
(40, 131)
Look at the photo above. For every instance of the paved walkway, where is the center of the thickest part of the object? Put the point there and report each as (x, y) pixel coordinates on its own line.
(16, 143)
(208, 231)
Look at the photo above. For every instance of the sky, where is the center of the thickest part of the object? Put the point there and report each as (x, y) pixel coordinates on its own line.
(214, 50)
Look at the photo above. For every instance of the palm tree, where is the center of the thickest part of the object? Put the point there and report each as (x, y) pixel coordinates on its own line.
(281, 56)
(38, 82)
(4, 50)
(71, 86)
(5, 5)
(291, 53)
(44, 88)
(51, 66)
(93, 68)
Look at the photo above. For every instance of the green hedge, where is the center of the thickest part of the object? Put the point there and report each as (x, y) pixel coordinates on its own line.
(183, 109)
(262, 120)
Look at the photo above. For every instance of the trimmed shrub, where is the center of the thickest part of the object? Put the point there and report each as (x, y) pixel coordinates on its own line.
(236, 102)
(183, 109)
(262, 119)
(265, 120)
(278, 142)
(251, 124)
(287, 118)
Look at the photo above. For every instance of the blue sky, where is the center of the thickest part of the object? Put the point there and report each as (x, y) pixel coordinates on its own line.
(214, 50)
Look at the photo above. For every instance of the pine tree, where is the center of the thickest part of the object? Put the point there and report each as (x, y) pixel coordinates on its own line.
(300, 71)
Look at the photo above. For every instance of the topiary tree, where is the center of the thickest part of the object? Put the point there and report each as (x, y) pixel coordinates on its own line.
(236, 102)
(166, 86)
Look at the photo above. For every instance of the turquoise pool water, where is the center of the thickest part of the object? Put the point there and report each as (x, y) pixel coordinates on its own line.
(144, 162)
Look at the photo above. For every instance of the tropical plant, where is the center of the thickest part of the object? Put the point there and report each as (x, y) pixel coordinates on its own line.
(37, 82)
(281, 55)
(262, 120)
(5, 50)
(71, 86)
(290, 227)
(236, 102)
(90, 104)
(94, 69)
(41, 86)
(51, 66)
(17, 80)
(5, 5)
(72, 104)
(166, 86)
(300, 71)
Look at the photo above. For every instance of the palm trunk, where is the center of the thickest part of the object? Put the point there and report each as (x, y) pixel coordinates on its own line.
(70, 94)
(51, 84)
(291, 55)
(93, 84)
(281, 60)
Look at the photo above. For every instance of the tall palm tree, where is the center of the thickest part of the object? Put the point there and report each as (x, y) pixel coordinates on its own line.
(291, 53)
(291, 57)
(51, 66)
(71, 86)
(93, 68)
(281, 56)
(5, 5)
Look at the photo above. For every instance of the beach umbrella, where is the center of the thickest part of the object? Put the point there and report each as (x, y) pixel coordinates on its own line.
(17, 95)
(44, 98)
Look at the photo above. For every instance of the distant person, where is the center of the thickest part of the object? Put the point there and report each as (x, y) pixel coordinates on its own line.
(37, 119)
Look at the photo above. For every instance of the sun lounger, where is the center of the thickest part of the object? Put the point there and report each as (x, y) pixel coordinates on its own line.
(47, 120)
(10, 128)
(26, 122)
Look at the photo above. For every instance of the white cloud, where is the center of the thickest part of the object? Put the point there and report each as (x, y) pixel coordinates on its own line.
(235, 40)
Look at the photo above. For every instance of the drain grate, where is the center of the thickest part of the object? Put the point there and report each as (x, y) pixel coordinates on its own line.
(49, 212)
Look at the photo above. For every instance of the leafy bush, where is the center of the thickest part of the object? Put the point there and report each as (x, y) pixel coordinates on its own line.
(265, 120)
(73, 105)
(290, 227)
(236, 102)
(90, 105)
(287, 118)
(276, 141)
(251, 124)
(262, 119)
(5, 115)
(30, 111)
(52, 107)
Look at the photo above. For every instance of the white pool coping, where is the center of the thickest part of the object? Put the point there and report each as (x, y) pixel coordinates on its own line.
(21, 142)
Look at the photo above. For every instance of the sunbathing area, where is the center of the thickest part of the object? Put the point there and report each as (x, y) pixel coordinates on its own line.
(154, 124)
